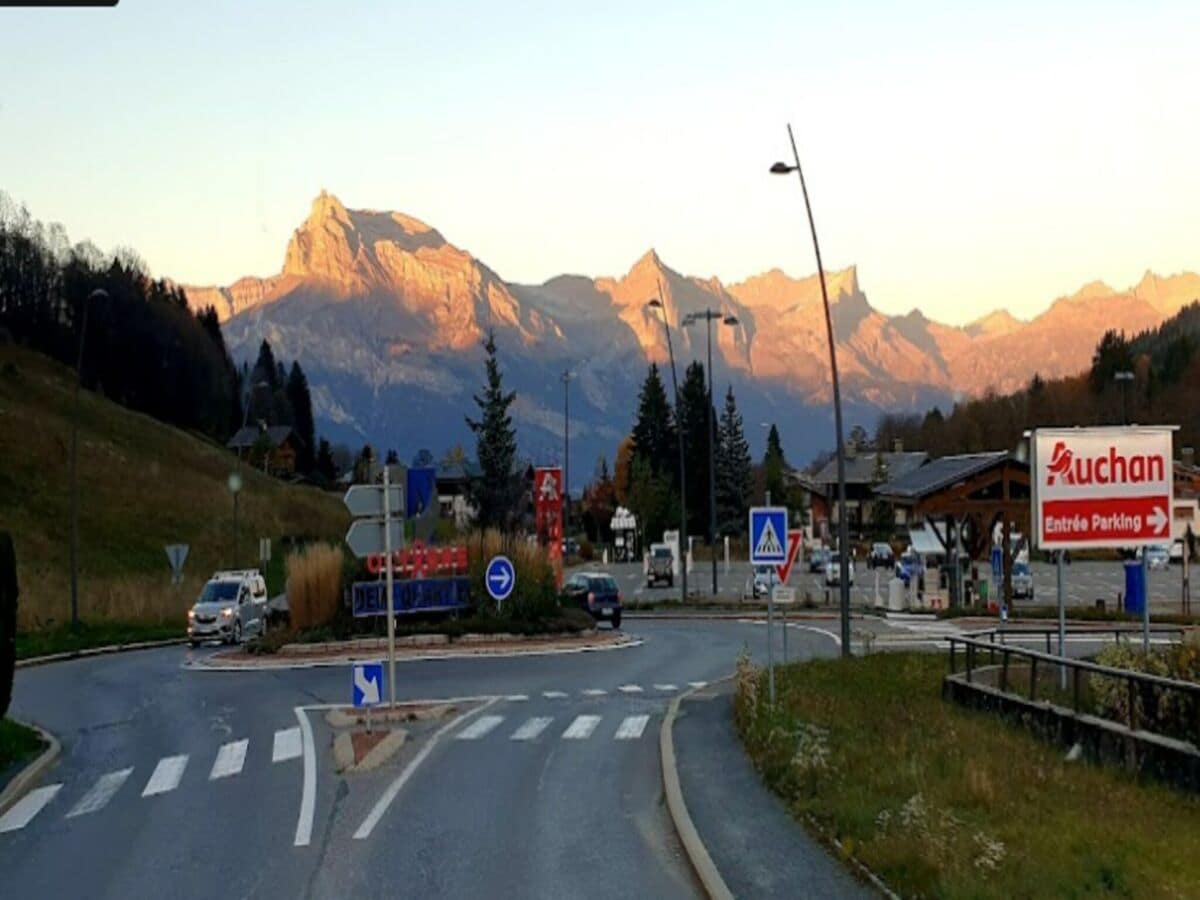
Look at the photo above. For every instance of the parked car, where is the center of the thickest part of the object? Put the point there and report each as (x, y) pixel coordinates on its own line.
(1022, 581)
(833, 570)
(231, 606)
(570, 547)
(1158, 556)
(661, 566)
(818, 559)
(597, 594)
(881, 556)
(1177, 551)
(765, 578)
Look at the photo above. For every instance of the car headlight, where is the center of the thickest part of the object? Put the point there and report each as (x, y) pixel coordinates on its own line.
(191, 614)
(227, 612)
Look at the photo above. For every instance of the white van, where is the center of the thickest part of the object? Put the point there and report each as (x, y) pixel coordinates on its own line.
(231, 607)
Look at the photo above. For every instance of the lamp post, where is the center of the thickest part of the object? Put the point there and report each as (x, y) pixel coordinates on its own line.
(656, 304)
(781, 168)
(707, 316)
(74, 548)
(1124, 378)
(235, 477)
(566, 376)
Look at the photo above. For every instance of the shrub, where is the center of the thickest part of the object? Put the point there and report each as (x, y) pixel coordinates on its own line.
(314, 585)
(1167, 712)
(536, 592)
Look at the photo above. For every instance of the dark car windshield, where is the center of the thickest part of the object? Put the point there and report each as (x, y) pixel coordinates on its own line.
(603, 584)
(662, 553)
(219, 591)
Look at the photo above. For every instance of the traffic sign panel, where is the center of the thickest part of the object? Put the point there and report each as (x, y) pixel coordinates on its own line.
(366, 536)
(768, 535)
(784, 595)
(500, 578)
(784, 570)
(177, 555)
(367, 500)
(1102, 487)
(367, 683)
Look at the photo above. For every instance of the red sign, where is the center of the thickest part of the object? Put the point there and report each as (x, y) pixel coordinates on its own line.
(1102, 487)
(795, 537)
(419, 561)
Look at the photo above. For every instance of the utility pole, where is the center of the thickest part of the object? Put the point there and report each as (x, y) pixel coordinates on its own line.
(566, 381)
(657, 304)
(74, 547)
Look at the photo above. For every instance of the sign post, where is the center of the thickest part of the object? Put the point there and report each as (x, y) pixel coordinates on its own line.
(768, 532)
(1102, 487)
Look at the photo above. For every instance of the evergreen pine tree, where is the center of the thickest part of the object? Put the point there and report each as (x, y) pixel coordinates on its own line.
(693, 420)
(774, 465)
(495, 492)
(326, 469)
(654, 437)
(300, 401)
(265, 367)
(734, 477)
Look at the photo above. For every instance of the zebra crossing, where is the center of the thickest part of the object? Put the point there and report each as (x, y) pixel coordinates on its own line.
(167, 775)
(578, 728)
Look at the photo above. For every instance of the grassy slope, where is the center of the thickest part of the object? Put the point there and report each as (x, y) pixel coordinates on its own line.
(143, 485)
(947, 802)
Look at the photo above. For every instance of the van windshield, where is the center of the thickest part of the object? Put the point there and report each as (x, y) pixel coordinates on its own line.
(219, 591)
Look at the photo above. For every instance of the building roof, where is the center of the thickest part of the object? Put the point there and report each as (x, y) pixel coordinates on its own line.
(937, 474)
(860, 468)
(247, 437)
(463, 471)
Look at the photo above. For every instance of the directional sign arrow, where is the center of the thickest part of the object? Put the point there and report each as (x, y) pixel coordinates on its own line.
(367, 500)
(501, 579)
(366, 536)
(1158, 519)
(369, 688)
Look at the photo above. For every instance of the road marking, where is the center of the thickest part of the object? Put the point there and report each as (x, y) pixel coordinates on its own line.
(308, 792)
(665, 687)
(553, 695)
(230, 759)
(101, 792)
(517, 698)
(531, 729)
(22, 812)
(581, 728)
(479, 728)
(697, 684)
(594, 692)
(372, 819)
(630, 689)
(287, 745)
(631, 729)
(166, 775)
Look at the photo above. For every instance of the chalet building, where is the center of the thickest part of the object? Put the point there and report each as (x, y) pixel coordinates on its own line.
(272, 449)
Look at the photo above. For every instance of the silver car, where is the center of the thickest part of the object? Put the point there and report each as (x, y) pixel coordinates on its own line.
(231, 607)
(1022, 581)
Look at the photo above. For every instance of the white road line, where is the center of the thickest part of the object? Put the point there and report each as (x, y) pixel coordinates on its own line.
(101, 792)
(630, 689)
(166, 775)
(631, 729)
(665, 687)
(479, 728)
(553, 695)
(22, 812)
(308, 792)
(581, 728)
(531, 729)
(517, 698)
(594, 692)
(372, 819)
(287, 745)
(230, 759)
(697, 684)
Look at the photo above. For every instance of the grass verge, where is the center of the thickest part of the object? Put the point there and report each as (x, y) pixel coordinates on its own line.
(1074, 613)
(101, 634)
(17, 744)
(941, 801)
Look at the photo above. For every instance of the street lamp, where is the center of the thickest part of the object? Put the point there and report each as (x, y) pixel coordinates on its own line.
(566, 376)
(707, 316)
(96, 294)
(1124, 378)
(781, 168)
(656, 304)
(235, 477)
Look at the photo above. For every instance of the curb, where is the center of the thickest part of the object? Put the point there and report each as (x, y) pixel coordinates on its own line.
(20, 784)
(693, 846)
(97, 651)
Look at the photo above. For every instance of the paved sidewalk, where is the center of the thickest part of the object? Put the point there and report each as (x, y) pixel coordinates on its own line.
(759, 849)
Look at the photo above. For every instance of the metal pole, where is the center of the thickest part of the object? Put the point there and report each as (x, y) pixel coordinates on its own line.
(566, 380)
(391, 611)
(1145, 605)
(843, 525)
(712, 476)
(233, 556)
(783, 622)
(74, 545)
(682, 474)
(770, 645)
(1062, 624)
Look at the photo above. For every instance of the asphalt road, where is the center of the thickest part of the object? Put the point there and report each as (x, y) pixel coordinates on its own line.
(180, 782)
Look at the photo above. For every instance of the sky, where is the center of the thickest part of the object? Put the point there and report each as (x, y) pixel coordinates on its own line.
(965, 156)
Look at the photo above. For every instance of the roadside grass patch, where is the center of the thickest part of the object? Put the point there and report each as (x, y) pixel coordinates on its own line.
(942, 801)
(62, 639)
(17, 744)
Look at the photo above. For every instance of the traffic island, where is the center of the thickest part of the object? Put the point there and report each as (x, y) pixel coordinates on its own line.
(363, 742)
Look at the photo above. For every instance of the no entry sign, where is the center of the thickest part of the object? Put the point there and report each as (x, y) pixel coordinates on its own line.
(1102, 487)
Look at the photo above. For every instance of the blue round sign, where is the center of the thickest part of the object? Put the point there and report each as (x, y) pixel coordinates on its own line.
(500, 578)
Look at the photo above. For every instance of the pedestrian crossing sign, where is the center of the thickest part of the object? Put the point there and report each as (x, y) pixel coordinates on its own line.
(768, 535)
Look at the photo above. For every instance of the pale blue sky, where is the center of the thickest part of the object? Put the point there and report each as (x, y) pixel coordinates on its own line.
(963, 159)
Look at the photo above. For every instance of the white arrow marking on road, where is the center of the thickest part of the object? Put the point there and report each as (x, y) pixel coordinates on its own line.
(631, 729)
(368, 687)
(230, 759)
(479, 728)
(22, 812)
(102, 791)
(287, 745)
(531, 729)
(581, 728)
(1159, 519)
(166, 775)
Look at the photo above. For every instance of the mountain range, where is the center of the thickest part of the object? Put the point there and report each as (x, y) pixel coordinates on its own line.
(386, 317)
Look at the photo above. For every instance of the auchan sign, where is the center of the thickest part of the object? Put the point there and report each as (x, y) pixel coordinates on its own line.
(1102, 487)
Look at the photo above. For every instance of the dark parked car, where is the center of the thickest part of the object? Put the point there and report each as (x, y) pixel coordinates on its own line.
(818, 559)
(881, 556)
(597, 594)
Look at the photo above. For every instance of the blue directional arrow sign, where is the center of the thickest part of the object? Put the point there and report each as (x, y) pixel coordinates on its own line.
(768, 535)
(367, 683)
(500, 578)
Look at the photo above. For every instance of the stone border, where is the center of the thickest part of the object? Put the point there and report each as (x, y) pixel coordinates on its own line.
(98, 651)
(20, 783)
(693, 846)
